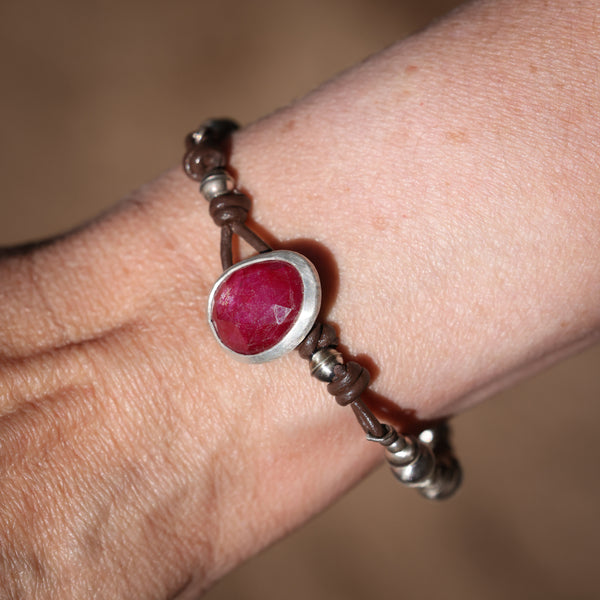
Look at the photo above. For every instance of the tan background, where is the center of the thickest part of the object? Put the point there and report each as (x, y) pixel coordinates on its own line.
(95, 99)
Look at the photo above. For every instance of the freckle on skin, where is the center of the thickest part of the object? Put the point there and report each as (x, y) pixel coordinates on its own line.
(379, 223)
(458, 137)
(533, 68)
(290, 125)
(411, 69)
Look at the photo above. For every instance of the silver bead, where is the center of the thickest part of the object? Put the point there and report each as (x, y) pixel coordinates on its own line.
(446, 480)
(429, 436)
(420, 470)
(323, 363)
(415, 461)
(399, 449)
(437, 436)
(448, 473)
(216, 183)
(402, 451)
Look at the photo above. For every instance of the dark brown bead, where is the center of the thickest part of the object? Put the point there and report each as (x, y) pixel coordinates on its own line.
(190, 140)
(216, 132)
(201, 158)
(220, 130)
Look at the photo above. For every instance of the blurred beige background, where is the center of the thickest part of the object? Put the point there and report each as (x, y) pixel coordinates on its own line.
(96, 98)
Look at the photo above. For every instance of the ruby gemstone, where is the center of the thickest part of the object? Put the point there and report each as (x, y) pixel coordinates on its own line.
(257, 305)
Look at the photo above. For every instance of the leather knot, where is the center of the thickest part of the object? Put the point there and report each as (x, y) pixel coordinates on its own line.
(349, 382)
(229, 208)
(322, 335)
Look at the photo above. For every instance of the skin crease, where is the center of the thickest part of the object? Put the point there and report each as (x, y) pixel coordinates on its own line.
(453, 179)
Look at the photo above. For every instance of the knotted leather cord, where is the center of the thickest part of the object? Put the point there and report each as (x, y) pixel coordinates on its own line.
(350, 379)
(208, 150)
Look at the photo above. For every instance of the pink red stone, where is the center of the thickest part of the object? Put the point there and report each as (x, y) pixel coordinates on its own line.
(257, 305)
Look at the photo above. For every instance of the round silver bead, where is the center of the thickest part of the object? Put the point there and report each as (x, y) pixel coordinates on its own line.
(436, 436)
(420, 471)
(428, 436)
(446, 480)
(402, 451)
(399, 449)
(323, 363)
(216, 183)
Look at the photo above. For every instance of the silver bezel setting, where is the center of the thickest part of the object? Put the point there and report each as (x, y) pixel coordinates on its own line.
(307, 315)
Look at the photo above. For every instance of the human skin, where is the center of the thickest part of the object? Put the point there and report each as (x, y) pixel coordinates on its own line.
(451, 181)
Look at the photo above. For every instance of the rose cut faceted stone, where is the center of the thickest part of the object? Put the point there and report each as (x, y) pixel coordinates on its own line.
(255, 306)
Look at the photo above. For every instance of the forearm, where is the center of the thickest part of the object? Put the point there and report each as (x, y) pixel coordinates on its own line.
(451, 181)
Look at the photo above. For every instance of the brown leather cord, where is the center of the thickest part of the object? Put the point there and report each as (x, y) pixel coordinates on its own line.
(350, 380)
(249, 236)
(321, 336)
(367, 420)
(226, 247)
(229, 211)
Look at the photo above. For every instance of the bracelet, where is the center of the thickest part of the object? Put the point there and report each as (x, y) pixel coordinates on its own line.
(267, 305)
